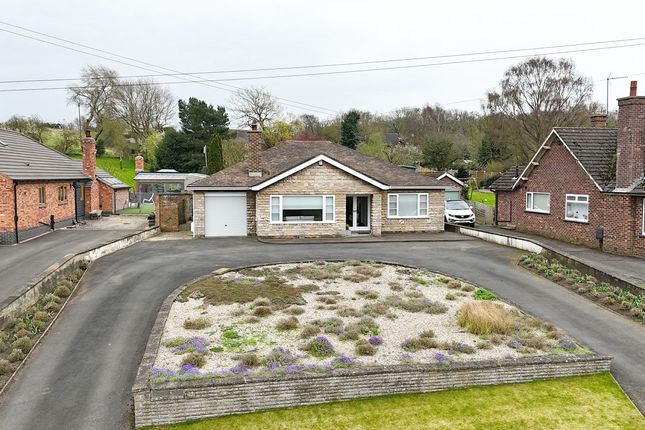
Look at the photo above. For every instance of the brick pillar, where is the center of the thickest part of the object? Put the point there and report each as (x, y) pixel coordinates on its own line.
(254, 151)
(88, 145)
(630, 158)
(599, 120)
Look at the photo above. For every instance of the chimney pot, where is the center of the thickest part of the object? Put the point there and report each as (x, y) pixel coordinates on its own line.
(254, 127)
(599, 120)
(88, 133)
(632, 88)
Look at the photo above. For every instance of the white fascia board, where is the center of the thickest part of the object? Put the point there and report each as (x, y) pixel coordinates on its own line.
(314, 160)
(526, 169)
(418, 187)
(215, 188)
(444, 174)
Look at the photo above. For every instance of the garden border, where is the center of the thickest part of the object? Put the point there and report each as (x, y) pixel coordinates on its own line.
(45, 282)
(169, 402)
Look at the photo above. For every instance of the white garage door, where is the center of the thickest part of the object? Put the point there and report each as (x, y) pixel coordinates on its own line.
(225, 214)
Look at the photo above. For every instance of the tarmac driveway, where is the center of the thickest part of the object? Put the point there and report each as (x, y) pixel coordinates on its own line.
(21, 263)
(81, 375)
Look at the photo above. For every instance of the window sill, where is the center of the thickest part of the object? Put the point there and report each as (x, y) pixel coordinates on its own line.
(62, 203)
(42, 205)
(300, 222)
(579, 221)
(537, 212)
(408, 217)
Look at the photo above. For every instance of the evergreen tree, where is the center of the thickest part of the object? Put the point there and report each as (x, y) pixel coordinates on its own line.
(215, 155)
(349, 133)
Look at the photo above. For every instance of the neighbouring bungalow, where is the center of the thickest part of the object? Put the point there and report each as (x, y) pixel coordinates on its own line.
(38, 185)
(583, 185)
(454, 186)
(314, 189)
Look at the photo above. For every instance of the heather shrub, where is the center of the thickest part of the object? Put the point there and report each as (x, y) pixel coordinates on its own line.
(367, 294)
(332, 325)
(16, 355)
(375, 340)
(284, 324)
(320, 347)
(22, 343)
(484, 317)
(41, 316)
(348, 312)
(262, 311)
(49, 297)
(365, 348)
(419, 343)
(199, 323)
(364, 326)
(279, 357)
(5, 367)
(51, 306)
(194, 359)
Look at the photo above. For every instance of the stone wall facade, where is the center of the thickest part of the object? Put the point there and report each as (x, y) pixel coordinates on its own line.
(199, 211)
(558, 173)
(158, 403)
(432, 223)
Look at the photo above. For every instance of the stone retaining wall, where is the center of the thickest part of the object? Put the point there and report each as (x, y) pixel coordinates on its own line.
(172, 402)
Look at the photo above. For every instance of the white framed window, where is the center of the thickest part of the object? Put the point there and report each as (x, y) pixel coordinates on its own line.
(538, 202)
(302, 209)
(407, 205)
(577, 208)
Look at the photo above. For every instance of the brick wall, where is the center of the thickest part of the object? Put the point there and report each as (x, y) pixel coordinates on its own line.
(559, 174)
(173, 210)
(315, 180)
(105, 197)
(630, 157)
(32, 214)
(122, 197)
(6, 208)
(433, 222)
(172, 402)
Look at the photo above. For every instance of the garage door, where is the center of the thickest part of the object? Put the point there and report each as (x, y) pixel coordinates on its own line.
(225, 214)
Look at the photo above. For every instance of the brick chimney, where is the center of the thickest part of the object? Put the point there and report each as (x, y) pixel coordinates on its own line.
(254, 151)
(138, 163)
(88, 145)
(599, 120)
(630, 158)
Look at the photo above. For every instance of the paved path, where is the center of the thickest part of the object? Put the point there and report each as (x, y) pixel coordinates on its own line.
(81, 375)
(21, 263)
(629, 268)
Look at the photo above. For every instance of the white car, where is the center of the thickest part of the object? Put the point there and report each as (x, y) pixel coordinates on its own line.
(458, 212)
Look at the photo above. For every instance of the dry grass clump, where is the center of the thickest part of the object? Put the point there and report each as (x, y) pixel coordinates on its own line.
(250, 359)
(451, 296)
(454, 284)
(41, 316)
(467, 287)
(294, 310)
(16, 355)
(348, 312)
(363, 347)
(194, 358)
(327, 300)
(395, 286)
(331, 325)
(5, 367)
(377, 309)
(367, 294)
(197, 323)
(368, 271)
(285, 324)
(262, 311)
(310, 330)
(356, 278)
(252, 320)
(262, 301)
(484, 317)
(62, 290)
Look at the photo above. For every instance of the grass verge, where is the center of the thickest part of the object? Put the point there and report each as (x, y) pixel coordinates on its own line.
(483, 197)
(583, 402)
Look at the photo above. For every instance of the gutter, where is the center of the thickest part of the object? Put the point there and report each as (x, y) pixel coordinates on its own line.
(15, 209)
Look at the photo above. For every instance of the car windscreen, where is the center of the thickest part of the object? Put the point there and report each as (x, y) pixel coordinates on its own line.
(457, 205)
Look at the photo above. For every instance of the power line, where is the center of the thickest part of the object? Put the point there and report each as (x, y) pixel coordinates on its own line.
(312, 66)
(336, 72)
(203, 82)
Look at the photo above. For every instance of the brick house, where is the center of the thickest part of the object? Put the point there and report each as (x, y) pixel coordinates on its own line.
(583, 185)
(38, 184)
(314, 189)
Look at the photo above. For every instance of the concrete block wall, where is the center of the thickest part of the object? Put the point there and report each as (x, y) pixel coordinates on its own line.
(171, 402)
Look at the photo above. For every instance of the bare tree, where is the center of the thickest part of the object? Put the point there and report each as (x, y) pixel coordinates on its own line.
(96, 95)
(144, 107)
(542, 93)
(255, 105)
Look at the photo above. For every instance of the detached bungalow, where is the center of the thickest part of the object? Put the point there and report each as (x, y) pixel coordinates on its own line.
(314, 189)
(584, 185)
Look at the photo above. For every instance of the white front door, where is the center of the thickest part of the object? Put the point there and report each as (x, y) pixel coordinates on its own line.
(225, 214)
(358, 212)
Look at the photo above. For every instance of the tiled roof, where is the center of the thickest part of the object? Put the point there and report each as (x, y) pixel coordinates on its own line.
(105, 177)
(160, 176)
(24, 159)
(595, 148)
(507, 179)
(285, 156)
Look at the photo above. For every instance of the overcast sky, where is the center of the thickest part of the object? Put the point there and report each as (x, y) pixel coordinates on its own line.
(195, 35)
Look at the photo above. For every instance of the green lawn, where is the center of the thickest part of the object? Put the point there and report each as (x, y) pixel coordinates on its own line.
(588, 402)
(123, 171)
(146, 208)
(483, 197)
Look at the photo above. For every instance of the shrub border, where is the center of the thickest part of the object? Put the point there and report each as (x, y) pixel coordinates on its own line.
(144, 389)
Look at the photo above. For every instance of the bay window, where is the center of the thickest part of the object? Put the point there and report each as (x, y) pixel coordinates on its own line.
(538, 202)
(302, 209)
(407, 205)
(577, 208)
